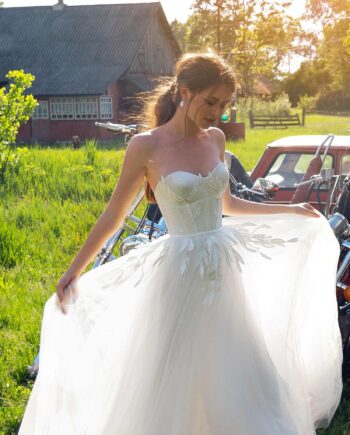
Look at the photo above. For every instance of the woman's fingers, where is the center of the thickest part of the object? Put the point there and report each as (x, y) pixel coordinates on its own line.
(309, 210)
(66, 290)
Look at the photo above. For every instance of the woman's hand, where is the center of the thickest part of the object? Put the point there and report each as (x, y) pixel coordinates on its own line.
(305, 209)
(66, 289)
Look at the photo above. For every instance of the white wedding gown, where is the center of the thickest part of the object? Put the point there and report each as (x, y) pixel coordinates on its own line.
(223, 327)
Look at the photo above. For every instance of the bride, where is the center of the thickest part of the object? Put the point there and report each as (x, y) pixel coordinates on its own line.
(223, 327)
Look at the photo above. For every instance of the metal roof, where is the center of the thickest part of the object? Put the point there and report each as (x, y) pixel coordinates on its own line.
(141, 82)
(309, 141)
(74, 49)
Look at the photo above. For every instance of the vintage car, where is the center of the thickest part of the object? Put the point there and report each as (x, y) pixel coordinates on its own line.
(286, 161)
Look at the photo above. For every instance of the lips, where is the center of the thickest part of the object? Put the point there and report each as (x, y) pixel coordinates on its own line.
(210, 120)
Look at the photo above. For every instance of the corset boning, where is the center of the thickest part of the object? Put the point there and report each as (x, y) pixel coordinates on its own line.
(191, 203)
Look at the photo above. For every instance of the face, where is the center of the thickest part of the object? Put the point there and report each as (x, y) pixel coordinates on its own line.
(205, 108)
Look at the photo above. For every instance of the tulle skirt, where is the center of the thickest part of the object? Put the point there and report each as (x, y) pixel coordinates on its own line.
(229, 332)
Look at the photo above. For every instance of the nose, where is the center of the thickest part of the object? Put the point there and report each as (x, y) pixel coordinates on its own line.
(217, 112)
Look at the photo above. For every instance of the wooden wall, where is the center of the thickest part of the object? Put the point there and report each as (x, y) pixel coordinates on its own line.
(50, 131)
(156, 55)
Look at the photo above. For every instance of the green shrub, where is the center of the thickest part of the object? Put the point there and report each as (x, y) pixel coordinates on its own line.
(308, 103)
(278, 107)
(16, 107)
(334, 102)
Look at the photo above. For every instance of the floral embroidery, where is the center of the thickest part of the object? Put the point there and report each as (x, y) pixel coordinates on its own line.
(192, 202)
(254, 241)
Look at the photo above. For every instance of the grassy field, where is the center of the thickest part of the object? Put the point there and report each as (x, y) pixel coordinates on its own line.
(47, 206)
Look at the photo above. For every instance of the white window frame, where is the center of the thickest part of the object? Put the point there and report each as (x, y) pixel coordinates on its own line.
(62, 108)
(42, 110)
(106, 107)
(86, 107)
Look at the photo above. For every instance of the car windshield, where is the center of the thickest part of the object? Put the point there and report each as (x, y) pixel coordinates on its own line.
(345, 164)
(288, 169)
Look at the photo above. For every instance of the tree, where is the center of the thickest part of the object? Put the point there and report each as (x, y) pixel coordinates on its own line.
(255, 36)
(15, 109)
(327, 11)
(179, 30)
(333, 49)
(311, 79)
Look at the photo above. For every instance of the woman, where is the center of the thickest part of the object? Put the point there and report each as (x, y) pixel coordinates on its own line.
(224, 327)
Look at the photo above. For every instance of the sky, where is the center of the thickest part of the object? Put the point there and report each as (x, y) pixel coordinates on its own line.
(179, 9)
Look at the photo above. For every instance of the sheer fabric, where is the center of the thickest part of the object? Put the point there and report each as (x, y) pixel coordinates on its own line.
(223, 327)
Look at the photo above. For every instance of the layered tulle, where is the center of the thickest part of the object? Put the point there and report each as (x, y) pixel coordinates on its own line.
(229, 332)
(223, 327)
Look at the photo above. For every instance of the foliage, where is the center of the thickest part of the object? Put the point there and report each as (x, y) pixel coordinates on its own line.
(180, 32)
(310, 79)
(333, 102)
(327, 11)
(15, 109)
(335, 54)
(260, 38)
(307, 103)
(278, 107)
(255, 36)
(328, 68)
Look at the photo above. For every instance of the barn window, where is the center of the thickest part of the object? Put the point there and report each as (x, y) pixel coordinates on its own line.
(106, 109)
(42, 110)
(62, 108)
(86, 108)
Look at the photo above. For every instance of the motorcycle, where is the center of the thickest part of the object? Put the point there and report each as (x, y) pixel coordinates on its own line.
(340, 224)
(338, 215)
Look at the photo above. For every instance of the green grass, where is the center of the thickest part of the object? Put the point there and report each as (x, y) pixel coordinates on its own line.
(48, 204)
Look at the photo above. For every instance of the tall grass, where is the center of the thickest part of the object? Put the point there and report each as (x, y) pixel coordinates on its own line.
(47, 207)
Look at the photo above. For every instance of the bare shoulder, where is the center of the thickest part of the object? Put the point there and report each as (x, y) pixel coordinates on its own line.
(217, 134)
(142, 145)
(219, 137)
(141, 142)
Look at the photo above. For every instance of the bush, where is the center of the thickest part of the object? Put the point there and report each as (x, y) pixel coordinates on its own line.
(15, 109)
(279, 107)
(334, 102)
(308, 103)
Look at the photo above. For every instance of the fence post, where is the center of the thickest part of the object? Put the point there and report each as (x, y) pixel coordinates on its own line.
(251, 119)
(303, 114)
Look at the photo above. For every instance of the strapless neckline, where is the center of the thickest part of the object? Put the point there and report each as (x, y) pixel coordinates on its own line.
(179, 171)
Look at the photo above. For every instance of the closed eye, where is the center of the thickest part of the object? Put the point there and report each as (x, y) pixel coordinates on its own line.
(212, 103)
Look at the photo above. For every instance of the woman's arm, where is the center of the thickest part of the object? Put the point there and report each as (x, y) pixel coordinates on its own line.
(232, 206)
(129, 183)
(131, 178)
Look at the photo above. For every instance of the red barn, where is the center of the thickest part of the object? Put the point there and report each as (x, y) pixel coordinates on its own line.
(87, 61)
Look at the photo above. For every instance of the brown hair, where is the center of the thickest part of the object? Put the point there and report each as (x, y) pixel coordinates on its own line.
(196, 71)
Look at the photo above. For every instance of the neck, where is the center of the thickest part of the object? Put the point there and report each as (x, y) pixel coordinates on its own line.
(183, 126)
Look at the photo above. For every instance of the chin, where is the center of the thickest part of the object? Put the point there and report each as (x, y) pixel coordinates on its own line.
(207, 124)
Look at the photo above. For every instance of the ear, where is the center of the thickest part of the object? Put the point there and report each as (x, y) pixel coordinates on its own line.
(185, 93)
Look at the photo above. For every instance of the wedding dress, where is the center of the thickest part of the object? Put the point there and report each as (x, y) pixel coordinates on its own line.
(223, 327)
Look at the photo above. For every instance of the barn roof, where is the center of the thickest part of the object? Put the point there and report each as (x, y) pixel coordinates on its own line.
(74, 49)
